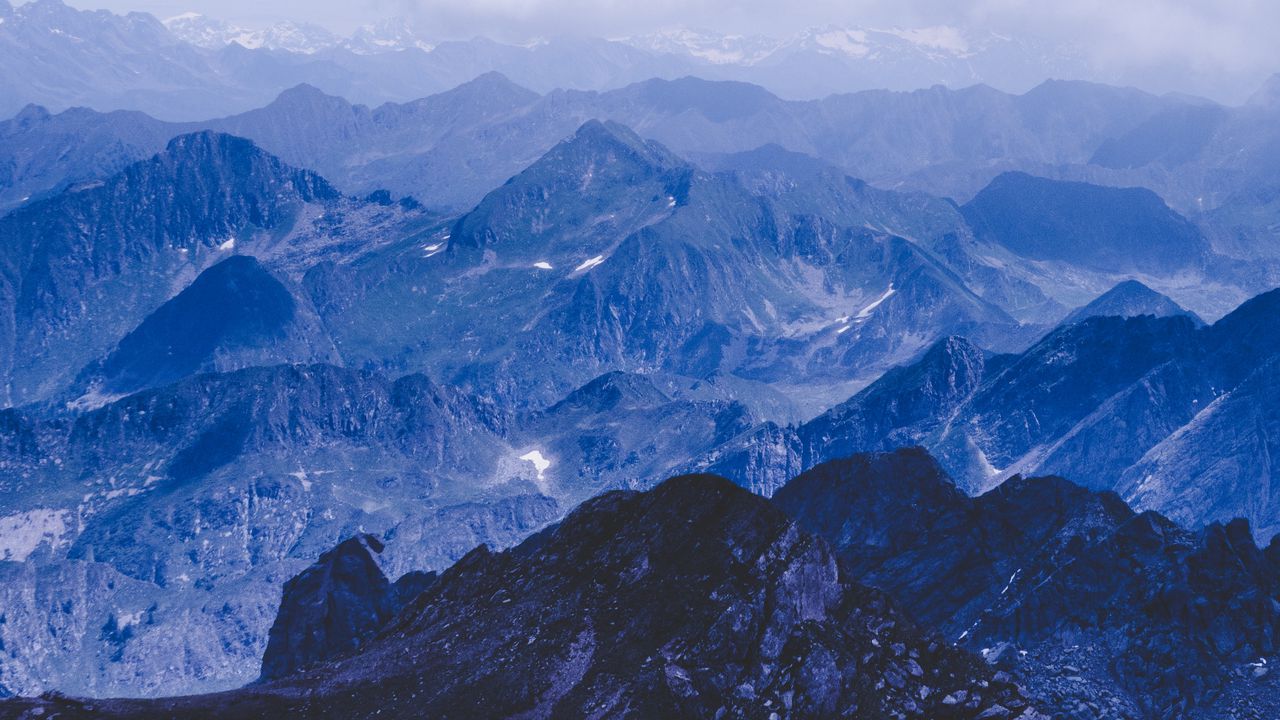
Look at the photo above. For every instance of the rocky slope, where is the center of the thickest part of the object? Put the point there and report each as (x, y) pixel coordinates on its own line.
(757, 619)
(225, 484)
(185, 507)
(1091, 605)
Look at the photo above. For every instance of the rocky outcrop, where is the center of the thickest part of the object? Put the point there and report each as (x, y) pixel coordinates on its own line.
(334, 606)
(1048, 579)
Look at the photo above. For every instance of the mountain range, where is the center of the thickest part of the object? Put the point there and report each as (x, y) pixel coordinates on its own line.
(1097, 610)
(220, 345)
(1137, 405)
(448, 150)
(188, 64)
(358, 377)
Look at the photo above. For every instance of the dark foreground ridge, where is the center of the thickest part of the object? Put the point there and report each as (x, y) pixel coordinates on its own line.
(1098, 610)
(694, 600)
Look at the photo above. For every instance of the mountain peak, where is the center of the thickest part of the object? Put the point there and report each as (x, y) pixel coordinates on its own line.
(608, 131)
(613, 389)
(717, 100)
(1131, 298)
(234, 305)
(870, 499)
(205, 141)
(30, 114)
(494, 80)
(1249, 335)
(602, 169)
(208, 153)
(305, 93)
(329, 608)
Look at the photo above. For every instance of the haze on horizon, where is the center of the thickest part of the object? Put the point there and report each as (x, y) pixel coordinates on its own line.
(1222, 49)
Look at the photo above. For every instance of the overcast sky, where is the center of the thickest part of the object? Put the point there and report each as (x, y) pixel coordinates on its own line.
(1161, 40)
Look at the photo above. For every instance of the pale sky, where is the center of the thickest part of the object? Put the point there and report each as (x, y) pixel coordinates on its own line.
(1164, 40)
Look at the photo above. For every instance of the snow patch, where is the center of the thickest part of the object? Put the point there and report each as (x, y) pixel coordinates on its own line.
(21, 533)
(1009, 584)
(93, 399)
(939, 37)
(865, 312)
(849, 42)
(228, 244)
(540, 463)
(543, 265)
(588, 264)
(128, 619)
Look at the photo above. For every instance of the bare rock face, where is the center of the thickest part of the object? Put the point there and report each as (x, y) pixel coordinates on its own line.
(333, 606)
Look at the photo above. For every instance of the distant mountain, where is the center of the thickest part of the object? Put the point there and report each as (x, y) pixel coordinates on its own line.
(1085, 225)
(1067, 588)
(1056, 124)
(214, 34)
(822, 60)
(61, 57)
(1129, 299)
(755, 615)
(1160, 410)
(390, 34)
(46, 153)
(449, 149)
